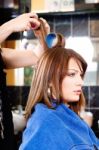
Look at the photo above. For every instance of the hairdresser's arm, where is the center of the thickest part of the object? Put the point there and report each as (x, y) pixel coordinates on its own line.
(23, 22)
(22, 58)
(18, 58)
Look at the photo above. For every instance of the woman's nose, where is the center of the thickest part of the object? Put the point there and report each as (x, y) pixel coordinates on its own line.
(80, 81)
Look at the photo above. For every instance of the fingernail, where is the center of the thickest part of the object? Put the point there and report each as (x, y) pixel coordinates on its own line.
(33, 25)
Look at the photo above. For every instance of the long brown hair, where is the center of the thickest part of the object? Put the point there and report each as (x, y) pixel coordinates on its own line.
(52, 68)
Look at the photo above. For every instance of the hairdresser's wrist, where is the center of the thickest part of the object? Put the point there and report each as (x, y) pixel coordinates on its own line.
(7, 28)
(5, 31)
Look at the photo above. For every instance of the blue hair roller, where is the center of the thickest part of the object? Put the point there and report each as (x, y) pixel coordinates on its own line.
(51, 40)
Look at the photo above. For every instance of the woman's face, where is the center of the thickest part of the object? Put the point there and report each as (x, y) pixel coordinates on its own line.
(72, 82)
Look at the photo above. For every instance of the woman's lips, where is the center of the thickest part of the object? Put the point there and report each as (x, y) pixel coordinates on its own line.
(77, 92)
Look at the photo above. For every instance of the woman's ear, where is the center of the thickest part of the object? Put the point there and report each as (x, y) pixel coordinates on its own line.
(52, 90)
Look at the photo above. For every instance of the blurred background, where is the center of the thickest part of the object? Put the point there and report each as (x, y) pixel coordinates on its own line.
(78, 21)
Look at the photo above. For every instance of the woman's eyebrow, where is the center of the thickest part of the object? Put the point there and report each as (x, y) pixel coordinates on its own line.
(81, 71)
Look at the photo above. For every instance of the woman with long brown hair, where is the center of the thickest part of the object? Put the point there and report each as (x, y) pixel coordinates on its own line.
(54, 104)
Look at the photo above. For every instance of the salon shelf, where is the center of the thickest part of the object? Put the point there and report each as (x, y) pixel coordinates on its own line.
(10, 13)
(80, 12)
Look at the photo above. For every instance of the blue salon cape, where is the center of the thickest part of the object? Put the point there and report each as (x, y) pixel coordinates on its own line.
(59, 129)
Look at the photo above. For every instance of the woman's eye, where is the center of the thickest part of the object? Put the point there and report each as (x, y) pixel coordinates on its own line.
(71, 74)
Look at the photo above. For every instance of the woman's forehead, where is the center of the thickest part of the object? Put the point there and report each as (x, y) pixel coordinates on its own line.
(74, 64)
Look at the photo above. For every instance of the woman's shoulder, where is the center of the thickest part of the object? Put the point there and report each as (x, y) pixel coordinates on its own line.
(42, 111)
(40, 114)
(41, 120)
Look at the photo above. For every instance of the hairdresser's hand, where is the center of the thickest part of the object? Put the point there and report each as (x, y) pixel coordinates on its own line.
(24, 22)
(38, 32)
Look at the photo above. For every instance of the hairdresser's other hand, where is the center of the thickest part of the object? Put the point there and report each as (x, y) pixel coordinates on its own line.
(38, 32)
(24, 22)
